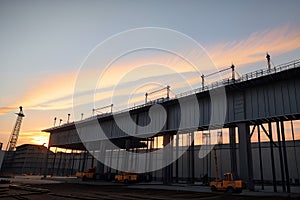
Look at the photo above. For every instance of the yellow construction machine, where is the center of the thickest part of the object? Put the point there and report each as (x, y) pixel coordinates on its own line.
(228, 183)
(89, 174)
(126, 177)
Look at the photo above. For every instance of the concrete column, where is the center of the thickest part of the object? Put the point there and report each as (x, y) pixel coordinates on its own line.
(45, 162)
(193, 157)
(233, 160)
(99, 167)
(126, 156)
(167, 155)
(245, 154)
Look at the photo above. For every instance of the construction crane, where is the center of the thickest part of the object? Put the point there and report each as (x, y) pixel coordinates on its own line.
(11, 145)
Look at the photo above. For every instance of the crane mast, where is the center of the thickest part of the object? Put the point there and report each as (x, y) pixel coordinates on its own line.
(11, 145)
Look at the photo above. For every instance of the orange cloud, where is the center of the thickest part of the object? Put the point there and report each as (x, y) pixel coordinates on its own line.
(33, 138)
(55, 92)
(253, 49)
(7, 109)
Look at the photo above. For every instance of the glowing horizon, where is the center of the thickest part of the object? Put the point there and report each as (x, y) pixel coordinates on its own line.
(42, 52)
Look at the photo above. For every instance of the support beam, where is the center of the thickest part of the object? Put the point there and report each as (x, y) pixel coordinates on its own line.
(294, 145)
(280, 157)
(286, 166)
(233, 160)
(85, 154)
(272, 157)
(101, 156)
(125, 162)
(167, 170)
(260, 159)
(245, 154)
(46, 163)
(177, 160)
(193, 158)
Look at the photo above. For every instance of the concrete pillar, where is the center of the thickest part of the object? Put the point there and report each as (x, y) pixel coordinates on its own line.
(233, 160)
(99, 167)
(245, 154)
(125, 162)
(167, 156)
(193, 158)
(45, 162)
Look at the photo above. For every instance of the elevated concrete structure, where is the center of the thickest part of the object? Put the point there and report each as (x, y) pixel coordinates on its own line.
(263, 96)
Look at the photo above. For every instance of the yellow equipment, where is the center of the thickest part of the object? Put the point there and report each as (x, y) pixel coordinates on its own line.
(126, 177)
(228, 183)
(89, 174)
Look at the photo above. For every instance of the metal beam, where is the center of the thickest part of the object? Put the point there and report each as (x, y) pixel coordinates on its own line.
(272, 157)
(245, 155)
(233, 160)
(285, 158)
(260, 159)
(280, 157)
(193, 157)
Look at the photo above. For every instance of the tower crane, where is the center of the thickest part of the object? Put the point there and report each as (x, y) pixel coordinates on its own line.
(11, 145)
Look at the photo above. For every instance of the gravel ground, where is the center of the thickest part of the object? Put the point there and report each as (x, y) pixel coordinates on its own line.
(70, 191)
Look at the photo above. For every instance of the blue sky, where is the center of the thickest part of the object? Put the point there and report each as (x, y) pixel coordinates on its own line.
(43, 43)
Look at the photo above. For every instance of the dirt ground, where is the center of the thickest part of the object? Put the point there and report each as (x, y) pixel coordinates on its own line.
(92, 192)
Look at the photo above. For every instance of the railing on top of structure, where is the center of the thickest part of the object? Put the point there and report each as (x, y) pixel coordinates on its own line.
(245, 77)
(214, 85)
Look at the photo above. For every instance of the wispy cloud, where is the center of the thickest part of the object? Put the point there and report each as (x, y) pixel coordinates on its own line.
(56, 91)
(253, 49)
(7, 109)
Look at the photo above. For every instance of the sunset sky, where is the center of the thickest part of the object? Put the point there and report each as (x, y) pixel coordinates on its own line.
(44, 43)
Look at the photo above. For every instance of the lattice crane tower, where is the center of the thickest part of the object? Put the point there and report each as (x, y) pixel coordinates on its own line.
(11, 145)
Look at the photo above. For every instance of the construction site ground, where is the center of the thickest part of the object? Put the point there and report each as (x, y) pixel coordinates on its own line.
(33, 187)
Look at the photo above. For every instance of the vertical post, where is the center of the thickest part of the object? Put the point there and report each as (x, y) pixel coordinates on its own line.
(126, 155)
(93, 158)
(101, 156)
(166, 158)
(280, 157)
(285, 159)
(73, 161)
(59, 164)
(260, 159)
(189, 158)
(177, 162)
(268, 61)
(79, 164)
(232, 71)
(81, 116)
(54, 121)
(193, 157)
(147, 150)
(233, 160)
(294, 145)
(202, 79)
(146, 98)
(272, 157)
(216, 164)
(209, 172)
(46, 163)
(168, 91)
(53, 164)
(245, 154)
(84, 160)
(68, 118)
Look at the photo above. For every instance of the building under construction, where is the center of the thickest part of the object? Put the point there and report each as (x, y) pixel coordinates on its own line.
(257, 141)
(263, 107)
